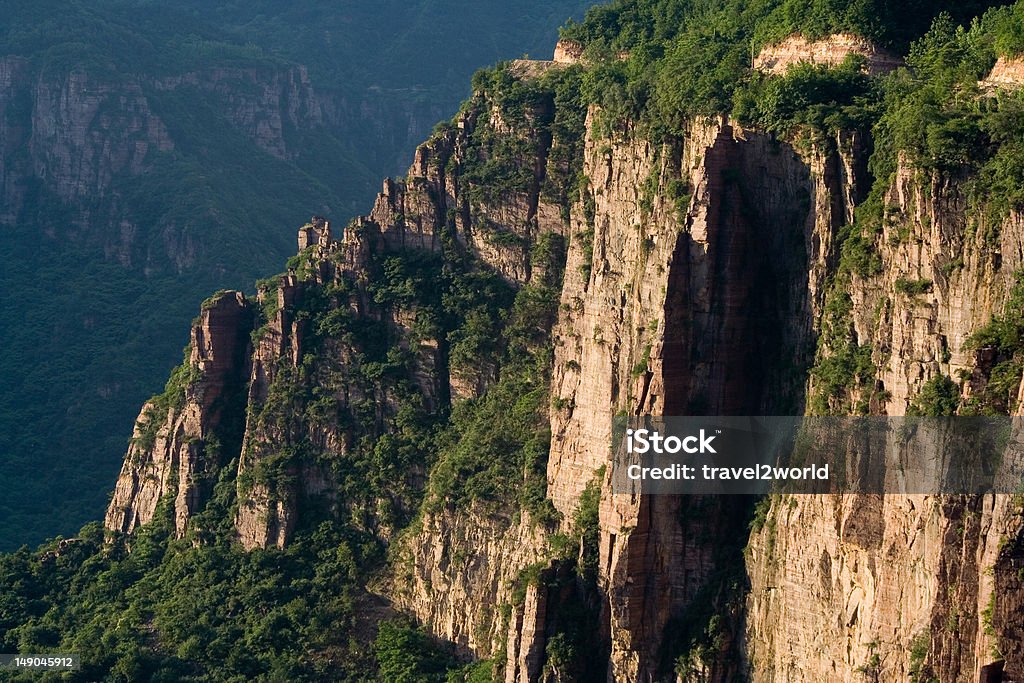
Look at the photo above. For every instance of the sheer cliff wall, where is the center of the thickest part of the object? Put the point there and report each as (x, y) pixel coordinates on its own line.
(697, 278)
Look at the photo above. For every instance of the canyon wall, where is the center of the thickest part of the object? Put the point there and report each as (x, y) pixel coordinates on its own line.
(699, 279)
(876, 574)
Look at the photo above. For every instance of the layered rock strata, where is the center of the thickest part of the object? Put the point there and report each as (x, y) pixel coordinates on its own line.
(830, 51)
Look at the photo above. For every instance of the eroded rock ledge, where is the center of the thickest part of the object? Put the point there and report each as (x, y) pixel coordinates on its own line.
(831, 51)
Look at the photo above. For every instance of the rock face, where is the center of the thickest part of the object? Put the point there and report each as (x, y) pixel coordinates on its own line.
(1008, 73)
(942, 557)
(180, 437)
(697, 280)
(456, 572)
(653, 325)
(315, 233)
(568, 52)
(830, 51)
(261, 103)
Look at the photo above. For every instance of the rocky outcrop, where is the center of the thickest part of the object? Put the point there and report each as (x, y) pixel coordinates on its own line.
(183, 437)
(315, 233)
(1008, 74)
(440, 190)
(568, 52)
(456, 571)
(830, 51)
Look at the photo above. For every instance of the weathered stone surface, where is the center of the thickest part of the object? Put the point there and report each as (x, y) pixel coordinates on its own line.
(1008, 73)
(899, 567)
(568, 52)
(177, 456)
(456, 570)
(830, 51)
(315, 233)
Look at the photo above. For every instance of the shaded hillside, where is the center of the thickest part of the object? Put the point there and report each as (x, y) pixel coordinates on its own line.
(153, 152)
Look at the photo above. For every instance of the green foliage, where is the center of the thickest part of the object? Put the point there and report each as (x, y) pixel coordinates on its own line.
(641, 366)
(499, 442)
(912, 288)
(1008, 30)
(171, 610)
(1004, 332)
(818, 98)
(406, 654)
(680, 192)
(935, 114)
(702, 632)
(200, 609)
(586, 526)
(858, 254)
(513, 117)
(939, 396)
(172, 398)
(573, 650)
(894, 25)
(932, 110)
(658, 62)
(1003, 336)
(651, 184)
(565, 158)
(843, 365)
(477, 672)
(918, 653)
(762, 509)
(499, 161)
(586, 238)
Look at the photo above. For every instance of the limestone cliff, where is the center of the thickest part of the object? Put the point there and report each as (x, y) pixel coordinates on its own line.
(673, 300)
(842, 607)
(181, 437)
(708, 274)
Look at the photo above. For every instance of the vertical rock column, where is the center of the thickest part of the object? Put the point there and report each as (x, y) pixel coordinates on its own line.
(181, 440)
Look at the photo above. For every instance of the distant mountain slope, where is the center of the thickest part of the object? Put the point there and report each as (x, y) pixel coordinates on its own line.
(151, 152)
